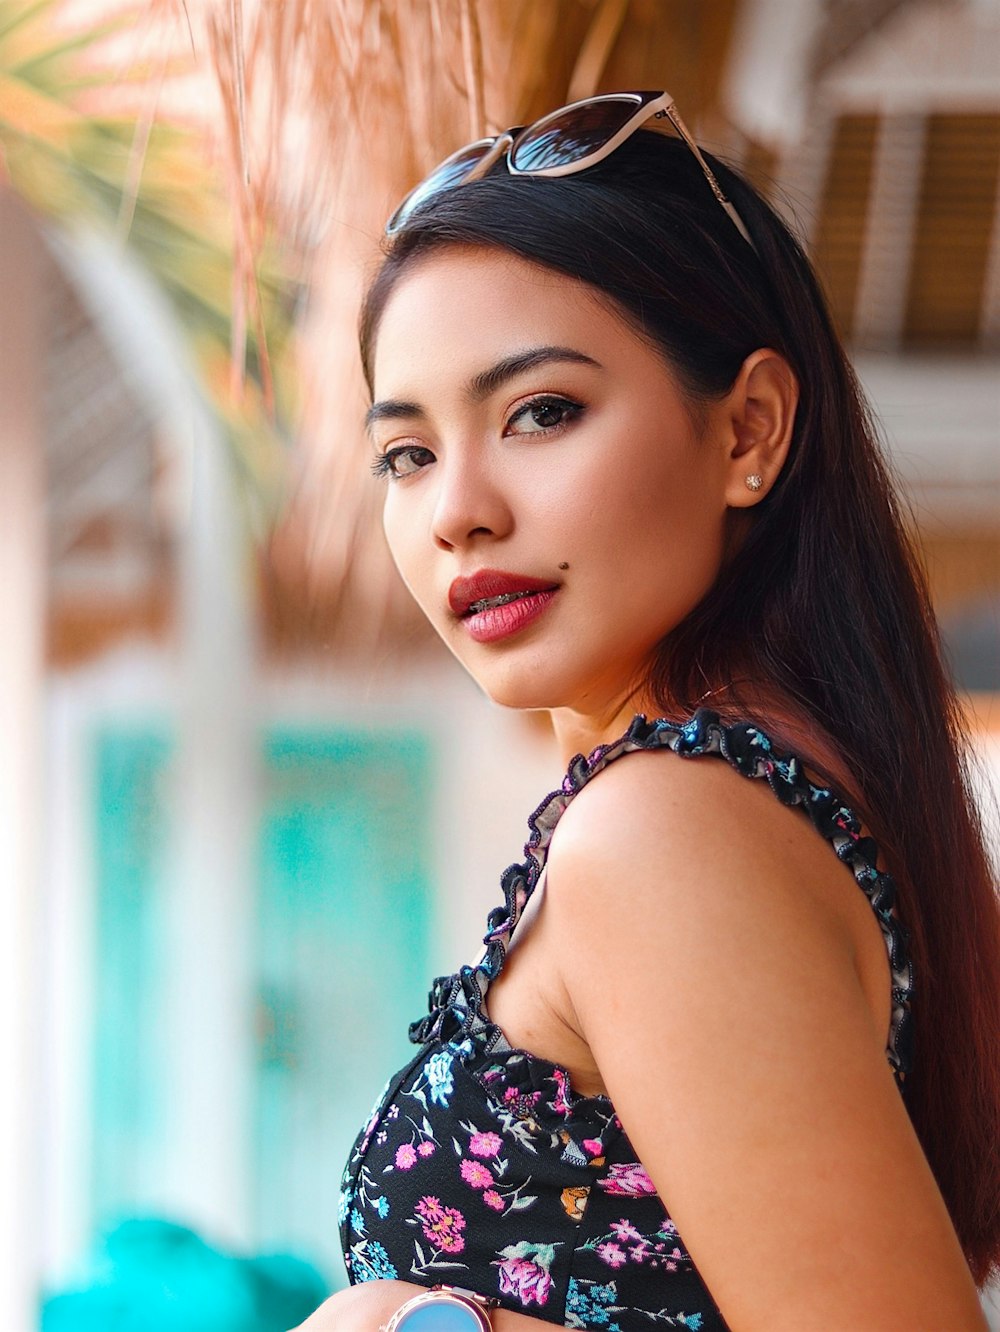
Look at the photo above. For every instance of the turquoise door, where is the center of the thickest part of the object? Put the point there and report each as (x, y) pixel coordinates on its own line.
(130, 1088)
(342, 935)
(342, 903)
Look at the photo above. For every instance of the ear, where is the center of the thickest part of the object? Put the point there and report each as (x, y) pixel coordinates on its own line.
(760, 416)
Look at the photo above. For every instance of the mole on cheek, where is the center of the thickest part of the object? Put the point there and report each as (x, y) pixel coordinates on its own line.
(564, 566)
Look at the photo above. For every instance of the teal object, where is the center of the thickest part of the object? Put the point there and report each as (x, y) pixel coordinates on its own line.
(341, 895)
(343, 925)
(131, 772)
(152, 1276)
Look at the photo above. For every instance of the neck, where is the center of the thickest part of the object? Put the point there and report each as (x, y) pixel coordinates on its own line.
(579, 731)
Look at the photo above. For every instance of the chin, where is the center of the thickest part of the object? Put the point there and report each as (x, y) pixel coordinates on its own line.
(524, 703)
(524, 697)
(526, 690)
(532, 686)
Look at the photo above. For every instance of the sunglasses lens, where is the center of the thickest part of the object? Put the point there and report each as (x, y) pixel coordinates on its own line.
(452, 171)
(572, 134)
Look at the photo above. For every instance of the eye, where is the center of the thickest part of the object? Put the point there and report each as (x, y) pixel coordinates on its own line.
(542, 414)
(404, 460)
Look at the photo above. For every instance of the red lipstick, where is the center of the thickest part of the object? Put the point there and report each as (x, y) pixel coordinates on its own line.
(493, 604)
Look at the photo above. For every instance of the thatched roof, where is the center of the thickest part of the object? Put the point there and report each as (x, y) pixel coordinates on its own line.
(318, 117)
(377, 93)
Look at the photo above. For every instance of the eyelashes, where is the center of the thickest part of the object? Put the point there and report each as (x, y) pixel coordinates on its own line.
(400, 462)
(546, 414)
(545, 405)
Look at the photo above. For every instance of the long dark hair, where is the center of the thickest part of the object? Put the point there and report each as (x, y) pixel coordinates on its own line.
(825, 601)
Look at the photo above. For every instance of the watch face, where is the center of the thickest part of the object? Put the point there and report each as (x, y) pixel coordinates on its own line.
(440, 1317)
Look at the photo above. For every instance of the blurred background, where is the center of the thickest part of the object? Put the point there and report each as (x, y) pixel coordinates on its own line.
(239, 779)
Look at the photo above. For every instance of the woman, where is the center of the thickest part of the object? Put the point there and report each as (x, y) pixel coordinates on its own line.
(630, 475)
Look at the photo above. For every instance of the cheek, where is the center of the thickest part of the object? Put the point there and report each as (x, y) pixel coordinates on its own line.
(663, 563)
(656, 524)
(652, 500)
(411, 550)
(399, 538)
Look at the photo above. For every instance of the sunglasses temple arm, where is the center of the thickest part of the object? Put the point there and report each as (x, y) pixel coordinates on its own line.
(738, 222)
(685, 134)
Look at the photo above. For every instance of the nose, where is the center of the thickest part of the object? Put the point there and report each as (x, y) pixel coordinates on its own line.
(471, 502)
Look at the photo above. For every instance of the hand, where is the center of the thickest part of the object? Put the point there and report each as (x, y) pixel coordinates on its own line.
(361, 1308)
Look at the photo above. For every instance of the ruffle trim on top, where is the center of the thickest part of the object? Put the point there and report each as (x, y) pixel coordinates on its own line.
(456, 1001)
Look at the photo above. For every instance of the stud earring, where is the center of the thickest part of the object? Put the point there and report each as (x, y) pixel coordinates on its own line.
(754, 481)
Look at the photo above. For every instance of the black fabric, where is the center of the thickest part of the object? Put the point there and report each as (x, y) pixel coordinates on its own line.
(479, 1165)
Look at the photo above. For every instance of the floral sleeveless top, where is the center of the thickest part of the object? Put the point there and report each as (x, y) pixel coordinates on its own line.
(480, 1167)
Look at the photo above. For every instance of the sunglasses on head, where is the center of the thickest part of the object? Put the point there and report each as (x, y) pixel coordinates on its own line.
(564, 141)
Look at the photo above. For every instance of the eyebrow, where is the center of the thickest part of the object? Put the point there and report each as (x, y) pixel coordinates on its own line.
(484, 383)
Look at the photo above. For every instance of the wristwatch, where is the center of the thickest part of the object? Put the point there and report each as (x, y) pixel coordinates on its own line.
(443, 1309)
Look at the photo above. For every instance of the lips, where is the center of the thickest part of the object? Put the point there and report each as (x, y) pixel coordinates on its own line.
(492, 587)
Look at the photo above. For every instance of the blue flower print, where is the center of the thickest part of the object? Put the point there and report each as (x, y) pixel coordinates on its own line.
(691, 733)
(344, 1206)
(370, 1262)
(592, 1308)
(357, 1221)
(437, 1071)
(382, 1206)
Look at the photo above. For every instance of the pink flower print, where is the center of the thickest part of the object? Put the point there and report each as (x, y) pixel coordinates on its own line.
(475, 1174)
(426, 1148)
(629, 1178)
(640, 1252)
(443, 1226)
(485, 1144)
(522, 1103)
(592, 1146)
(524, 1271)
(561, 1102)
(611, 1254)
(429, 1208)
(625, 1230)
(492, 1199)
(406, 1156)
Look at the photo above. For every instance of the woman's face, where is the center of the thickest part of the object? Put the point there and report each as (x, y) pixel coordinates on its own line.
(538, 451)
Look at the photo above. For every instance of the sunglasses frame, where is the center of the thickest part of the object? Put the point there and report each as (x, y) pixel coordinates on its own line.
(648, 106)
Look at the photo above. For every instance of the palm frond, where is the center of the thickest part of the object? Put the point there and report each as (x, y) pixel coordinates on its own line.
(284, 135)
(83, 139)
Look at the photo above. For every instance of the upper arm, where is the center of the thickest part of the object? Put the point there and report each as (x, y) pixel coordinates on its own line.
(721, 1003)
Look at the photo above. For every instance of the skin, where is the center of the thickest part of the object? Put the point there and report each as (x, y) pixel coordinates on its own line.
(769, 1120)
(528, 500)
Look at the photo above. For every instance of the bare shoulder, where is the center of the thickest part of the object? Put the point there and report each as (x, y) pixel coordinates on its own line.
(713, 974)
(684, 869)
(665, 824)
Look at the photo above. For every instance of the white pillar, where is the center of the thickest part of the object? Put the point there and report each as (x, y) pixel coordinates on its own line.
(209, 1004)
(890, 226)
(767, 82)
(22, 619)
